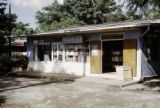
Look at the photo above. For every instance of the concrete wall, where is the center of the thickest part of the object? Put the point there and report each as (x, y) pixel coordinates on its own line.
(75, 68)
(145, 68)
(134, 34)
(93, 37)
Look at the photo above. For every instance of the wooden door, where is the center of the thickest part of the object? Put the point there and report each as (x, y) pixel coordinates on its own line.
(95, 61)
(130, 55)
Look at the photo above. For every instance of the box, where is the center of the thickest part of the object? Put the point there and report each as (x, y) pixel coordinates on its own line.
(124, 73)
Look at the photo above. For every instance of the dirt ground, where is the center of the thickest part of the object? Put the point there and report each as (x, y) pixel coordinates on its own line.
(86, 92)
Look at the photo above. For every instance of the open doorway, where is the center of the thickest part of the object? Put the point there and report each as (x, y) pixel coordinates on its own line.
(112, 55)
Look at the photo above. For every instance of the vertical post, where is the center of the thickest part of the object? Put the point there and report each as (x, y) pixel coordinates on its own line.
(52, 52)
(139, 59)
(58, 49)
(63, 53)
(36, 53)
(84, 67)
(9, 38)
(101, 42)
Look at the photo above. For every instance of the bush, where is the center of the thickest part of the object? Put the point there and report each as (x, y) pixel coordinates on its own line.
(20, 61)
(5, 64)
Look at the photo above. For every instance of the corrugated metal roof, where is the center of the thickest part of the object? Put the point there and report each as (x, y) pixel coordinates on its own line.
(99, 27)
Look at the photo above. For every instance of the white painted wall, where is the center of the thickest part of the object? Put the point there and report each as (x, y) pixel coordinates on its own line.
(75, 68)
(139, 61)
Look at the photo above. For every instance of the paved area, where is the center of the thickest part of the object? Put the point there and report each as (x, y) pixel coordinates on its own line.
(86, 92)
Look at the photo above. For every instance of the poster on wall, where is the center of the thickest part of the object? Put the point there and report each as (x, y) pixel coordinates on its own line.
(46, 57)
(94, 52)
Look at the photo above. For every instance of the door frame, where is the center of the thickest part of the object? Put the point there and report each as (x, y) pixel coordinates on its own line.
(102, 40)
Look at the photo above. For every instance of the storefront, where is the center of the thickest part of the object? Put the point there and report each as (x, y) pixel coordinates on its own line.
(62, 54)
(88, 50)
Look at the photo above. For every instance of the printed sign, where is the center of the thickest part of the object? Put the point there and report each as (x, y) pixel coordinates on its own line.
(75, 39)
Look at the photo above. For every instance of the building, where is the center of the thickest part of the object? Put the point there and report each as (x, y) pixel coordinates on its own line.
(18, 47)
(98, 49)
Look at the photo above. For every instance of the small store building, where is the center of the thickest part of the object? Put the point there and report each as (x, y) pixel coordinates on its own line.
(98, 49)
(18, 47)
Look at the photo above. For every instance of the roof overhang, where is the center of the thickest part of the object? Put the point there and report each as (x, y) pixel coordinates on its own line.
(120, 26)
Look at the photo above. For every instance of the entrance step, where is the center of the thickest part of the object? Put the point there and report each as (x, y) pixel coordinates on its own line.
(111, 75)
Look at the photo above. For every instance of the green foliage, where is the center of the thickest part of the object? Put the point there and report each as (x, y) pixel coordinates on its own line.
(20, 28)
(5, 64)
(92, 11)
(135, 4)
(143, 9)
(6, 21)
(54, 17)
(78, 12)
(6, 24)
(152, 13)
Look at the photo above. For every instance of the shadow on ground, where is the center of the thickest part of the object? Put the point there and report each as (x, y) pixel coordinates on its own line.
(153, 84)
(6, 81)
(12, 82)
(2, 100)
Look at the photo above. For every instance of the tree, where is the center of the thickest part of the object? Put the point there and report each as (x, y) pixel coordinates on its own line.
(94, 11)
(78, 12)
(6, 24)
(20, 28)
(143, 9)
(2, 31)
(54, 17)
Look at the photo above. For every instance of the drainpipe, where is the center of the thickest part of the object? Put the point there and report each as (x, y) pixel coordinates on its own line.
(145, 32)
(139, 46)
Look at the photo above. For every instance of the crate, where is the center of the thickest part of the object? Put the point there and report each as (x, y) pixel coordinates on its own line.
(124, 73)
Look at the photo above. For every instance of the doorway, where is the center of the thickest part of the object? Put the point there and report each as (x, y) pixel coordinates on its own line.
(112, 55)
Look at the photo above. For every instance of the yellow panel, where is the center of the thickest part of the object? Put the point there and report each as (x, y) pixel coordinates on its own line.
(95, 58)
(130, 55)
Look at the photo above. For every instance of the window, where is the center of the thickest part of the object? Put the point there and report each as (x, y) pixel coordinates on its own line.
(58, 51)
(44, 52)
(41, 50)
(75, 52)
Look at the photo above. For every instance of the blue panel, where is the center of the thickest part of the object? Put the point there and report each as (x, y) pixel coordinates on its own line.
(150, 68)
(30, 50)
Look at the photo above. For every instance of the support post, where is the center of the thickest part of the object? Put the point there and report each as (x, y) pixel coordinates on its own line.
(139, 61)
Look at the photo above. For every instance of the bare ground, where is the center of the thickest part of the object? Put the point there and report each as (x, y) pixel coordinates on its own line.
(86, 92)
